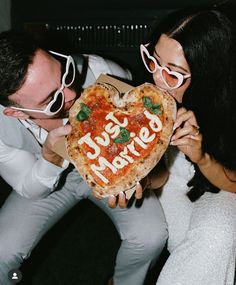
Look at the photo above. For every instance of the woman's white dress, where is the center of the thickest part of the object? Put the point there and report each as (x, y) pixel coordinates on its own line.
(202, 234)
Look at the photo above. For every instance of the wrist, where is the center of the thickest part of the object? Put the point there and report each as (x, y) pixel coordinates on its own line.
(146, 182)
(53, 158)
(155, 181)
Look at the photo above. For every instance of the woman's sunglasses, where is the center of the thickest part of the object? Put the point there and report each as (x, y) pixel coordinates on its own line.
(55, 105)
(172, 79)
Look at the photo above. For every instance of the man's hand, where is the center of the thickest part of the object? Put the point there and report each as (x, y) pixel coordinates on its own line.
(121, 201)
(52, 138)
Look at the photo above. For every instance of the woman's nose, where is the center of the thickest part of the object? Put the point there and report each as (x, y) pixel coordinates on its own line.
(158, 79)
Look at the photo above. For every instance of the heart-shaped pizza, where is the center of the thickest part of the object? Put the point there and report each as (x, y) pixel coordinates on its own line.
(117, 139)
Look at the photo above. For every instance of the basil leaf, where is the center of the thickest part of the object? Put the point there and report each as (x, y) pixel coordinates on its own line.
(84, 112)
(153, 108)
(82, 116)
(156, 109)
(147, 102)
(124, 136)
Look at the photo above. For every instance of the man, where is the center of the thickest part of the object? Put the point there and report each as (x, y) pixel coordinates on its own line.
(37, 90)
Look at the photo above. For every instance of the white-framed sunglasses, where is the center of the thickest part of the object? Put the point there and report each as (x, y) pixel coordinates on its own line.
(172, 79)
(55, 105)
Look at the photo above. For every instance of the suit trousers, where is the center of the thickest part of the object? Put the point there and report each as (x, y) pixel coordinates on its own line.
(23, 222)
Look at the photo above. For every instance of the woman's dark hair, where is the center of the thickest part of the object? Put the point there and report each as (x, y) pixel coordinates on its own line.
(208, 42)
(17, 50)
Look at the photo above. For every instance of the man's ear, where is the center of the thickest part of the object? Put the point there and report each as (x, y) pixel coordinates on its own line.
(8, 111)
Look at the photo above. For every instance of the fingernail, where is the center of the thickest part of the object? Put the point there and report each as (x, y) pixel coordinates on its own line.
(113, 196)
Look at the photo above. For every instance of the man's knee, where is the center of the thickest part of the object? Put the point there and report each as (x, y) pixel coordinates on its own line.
(154, 242)
(149, 244)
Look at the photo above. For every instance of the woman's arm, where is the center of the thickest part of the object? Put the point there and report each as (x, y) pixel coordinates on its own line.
(188, 139)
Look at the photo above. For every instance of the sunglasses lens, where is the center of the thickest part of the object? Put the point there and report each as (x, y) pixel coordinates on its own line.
(149, 62)
(171, 79)
(151, 65)
(70, 75)
(58, 103)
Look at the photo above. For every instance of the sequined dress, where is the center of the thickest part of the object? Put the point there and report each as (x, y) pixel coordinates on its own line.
(202, 234)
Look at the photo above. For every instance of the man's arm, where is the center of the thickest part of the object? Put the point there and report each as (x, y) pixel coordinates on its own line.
(31, 176)
(27, 175)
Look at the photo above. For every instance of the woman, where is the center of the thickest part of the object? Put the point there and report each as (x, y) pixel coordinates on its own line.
(192, 55)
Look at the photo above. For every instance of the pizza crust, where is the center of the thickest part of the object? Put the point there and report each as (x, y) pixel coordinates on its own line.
(127, 102)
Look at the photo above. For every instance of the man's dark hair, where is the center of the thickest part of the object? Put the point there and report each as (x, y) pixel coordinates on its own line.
(17, 50)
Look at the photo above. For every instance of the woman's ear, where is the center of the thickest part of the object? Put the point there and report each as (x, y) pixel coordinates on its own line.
(8, 111)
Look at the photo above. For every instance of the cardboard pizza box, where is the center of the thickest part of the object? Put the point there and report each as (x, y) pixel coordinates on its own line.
(60, 146)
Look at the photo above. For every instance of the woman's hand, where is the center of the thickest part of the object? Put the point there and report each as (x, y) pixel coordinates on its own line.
(52, 138)
(189, 140)
(187, 136)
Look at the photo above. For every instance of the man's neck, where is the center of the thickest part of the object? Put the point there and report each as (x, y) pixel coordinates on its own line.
(49, 124)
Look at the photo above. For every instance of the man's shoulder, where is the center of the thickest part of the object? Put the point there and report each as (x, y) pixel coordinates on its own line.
(97, 65)
(108, 66)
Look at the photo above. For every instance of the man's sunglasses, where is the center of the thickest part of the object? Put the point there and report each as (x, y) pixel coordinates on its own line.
(55, 105)
(172, 79)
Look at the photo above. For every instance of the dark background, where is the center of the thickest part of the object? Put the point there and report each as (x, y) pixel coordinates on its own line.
(81, 248)
(111, 28)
